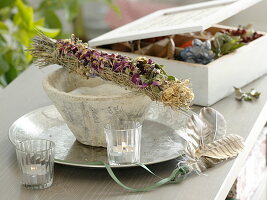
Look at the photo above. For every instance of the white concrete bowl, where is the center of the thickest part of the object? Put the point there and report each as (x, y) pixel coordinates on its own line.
(86, 110)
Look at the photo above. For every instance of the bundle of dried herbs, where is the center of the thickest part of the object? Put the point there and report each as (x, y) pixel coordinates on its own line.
(140, 74)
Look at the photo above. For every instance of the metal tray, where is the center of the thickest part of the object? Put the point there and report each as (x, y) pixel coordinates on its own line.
(160, 136)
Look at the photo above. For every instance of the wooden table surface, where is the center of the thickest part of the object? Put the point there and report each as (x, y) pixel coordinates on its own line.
(26, 94)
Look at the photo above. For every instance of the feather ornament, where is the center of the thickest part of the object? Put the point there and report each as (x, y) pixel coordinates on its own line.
(207, 142)
(224, 148)
(214, 124)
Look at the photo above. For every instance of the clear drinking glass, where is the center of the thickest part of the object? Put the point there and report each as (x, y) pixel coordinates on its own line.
(36, 162)
(123, 142)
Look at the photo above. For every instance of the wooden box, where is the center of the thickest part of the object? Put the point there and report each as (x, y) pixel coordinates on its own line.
(210, 82)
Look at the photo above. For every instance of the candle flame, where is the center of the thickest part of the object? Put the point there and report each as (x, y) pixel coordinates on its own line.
(123, 144)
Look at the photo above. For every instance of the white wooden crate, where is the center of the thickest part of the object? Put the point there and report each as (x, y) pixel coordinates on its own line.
(210, 82)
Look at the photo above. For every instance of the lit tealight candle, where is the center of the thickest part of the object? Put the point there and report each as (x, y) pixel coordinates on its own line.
(36, 169)
(36, 162)
(123, 142)
(33, 168)
(35, 174)
(123, 154)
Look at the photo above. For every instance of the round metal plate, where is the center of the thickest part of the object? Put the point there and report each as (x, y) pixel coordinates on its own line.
(160, 136)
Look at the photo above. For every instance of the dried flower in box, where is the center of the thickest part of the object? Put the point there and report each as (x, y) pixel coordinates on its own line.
(224, 44)
(140, 74)
(199, 52)
(246, 33)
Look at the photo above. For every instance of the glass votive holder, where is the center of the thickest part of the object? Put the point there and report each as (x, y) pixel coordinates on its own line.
(36, 162)
(123, 142)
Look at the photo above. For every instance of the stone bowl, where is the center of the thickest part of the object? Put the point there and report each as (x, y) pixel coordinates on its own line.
(86, 105)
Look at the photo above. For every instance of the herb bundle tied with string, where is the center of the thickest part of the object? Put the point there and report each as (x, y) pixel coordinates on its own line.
(140, 74)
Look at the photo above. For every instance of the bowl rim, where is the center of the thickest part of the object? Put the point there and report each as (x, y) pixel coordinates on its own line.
(48, 87)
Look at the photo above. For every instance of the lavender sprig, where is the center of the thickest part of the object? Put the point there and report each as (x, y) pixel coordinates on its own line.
(140, 74)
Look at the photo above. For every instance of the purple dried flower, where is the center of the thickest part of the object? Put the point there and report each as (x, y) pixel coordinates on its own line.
(156, 83)
(116, 66)
(84, 62)
(74, 49)
(136, 79)
(143, 85)
(78, 54)
(96, 54)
